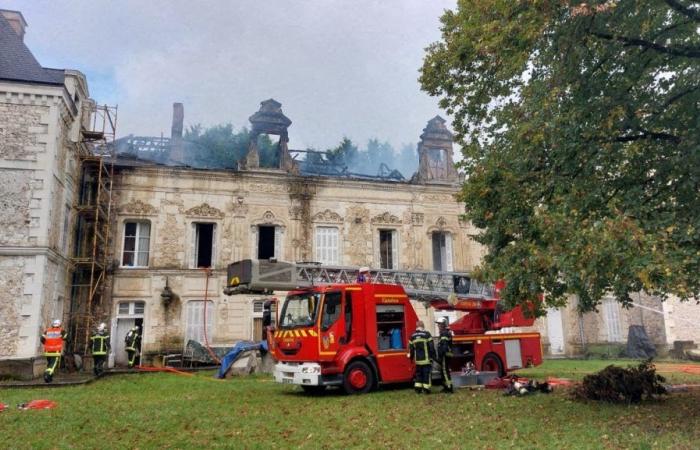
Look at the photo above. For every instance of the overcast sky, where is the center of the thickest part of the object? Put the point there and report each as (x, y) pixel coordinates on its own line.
(338, 67)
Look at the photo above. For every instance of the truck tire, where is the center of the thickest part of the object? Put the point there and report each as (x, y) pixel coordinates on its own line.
(358, 378)
(314, 390)
(492, 363)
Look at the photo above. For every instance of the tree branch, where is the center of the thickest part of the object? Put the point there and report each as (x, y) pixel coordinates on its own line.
(688, 52)
(648, 135)
(688, 12)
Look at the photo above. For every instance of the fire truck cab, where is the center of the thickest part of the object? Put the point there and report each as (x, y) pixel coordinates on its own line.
(354, 336)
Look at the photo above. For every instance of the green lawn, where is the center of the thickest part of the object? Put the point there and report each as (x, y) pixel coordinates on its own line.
(171, 411)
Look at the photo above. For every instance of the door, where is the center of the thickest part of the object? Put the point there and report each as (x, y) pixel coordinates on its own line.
(332, 325)
(555, 331)
(118, 345)
(392, 344)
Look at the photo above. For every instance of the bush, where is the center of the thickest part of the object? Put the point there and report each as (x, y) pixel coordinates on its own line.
(622, 385)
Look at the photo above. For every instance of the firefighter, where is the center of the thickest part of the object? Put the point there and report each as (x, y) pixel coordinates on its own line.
(422, 352)
(53, 339)
(133, 343)
(100, 349)
(444, 352)
(364, 276)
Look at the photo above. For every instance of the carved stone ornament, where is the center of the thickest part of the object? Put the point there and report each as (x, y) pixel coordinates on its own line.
(327, 216)
(205, 210)
(295, 212)
(269, 216)
(137, 207)
(417, 218)
(441, 222)
(386, 219)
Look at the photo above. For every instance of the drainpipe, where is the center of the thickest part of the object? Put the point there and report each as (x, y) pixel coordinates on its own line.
(581, 332)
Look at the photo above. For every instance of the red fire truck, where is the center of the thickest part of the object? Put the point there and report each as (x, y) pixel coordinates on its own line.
(333, 331)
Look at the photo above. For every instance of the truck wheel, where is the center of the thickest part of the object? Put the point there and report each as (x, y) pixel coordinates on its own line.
(492, 363)
(358, 378)
(314, 390)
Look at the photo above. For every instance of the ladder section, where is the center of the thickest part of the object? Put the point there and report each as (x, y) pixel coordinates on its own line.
(92, 232)
(255, 276)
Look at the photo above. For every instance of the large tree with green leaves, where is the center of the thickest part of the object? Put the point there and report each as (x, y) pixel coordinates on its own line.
(580, 126)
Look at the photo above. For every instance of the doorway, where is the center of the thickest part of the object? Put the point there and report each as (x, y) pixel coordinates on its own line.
(555, 331)
(129, 314)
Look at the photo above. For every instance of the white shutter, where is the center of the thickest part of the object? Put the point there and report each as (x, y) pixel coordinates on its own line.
(334, 246)
(213, 247)
(395, 249)
(449, 266)
(377, 256)
(611, 311)
(326, 243)
(254, 242)
(194, 246)
(278, 243)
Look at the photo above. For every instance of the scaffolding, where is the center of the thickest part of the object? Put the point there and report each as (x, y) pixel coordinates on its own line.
(93, 207)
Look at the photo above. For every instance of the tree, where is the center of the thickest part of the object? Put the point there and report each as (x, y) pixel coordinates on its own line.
(220, 146)
(581, 137)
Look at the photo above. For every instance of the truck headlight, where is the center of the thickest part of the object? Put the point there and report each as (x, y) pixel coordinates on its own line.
(311, 369)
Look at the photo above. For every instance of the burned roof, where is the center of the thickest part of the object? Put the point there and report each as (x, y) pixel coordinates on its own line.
(17, 63)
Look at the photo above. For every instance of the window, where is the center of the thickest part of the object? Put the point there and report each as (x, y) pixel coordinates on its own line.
(194, 321)
(388, 249)
(327, 245)
(437, 162)
(611, 315)
(331, 310)
(267, 242)
(442, 251)
(137, 236)
(131, 308)
(299, 310)
(203, 252)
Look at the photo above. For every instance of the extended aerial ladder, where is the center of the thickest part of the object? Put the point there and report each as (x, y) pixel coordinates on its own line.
(445, 291)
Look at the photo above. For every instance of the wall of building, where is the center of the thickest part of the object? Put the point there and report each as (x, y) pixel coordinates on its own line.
(171, 200)
(38, 175)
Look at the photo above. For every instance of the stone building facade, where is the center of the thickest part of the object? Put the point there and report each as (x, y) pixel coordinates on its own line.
(41, 111)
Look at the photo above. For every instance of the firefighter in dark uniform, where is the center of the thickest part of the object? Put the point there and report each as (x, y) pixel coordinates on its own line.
(133, 344)
(53, 339)
(100, 349)
(444, 352)
(422, 352)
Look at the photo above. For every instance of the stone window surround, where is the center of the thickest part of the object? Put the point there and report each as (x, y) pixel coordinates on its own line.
(216, 241)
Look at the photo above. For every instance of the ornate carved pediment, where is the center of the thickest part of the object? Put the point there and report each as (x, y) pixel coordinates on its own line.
(205, 210)
(327, 216)
(137, 207)
(269, 216)
(386, 219)
(441, 222)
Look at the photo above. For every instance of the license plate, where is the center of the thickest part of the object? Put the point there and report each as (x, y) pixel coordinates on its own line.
(288, 380)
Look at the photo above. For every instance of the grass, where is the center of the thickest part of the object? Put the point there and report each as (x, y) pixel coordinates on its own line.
(170, 411)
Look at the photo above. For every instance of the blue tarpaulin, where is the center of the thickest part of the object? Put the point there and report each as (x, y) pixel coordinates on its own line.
(240, 347)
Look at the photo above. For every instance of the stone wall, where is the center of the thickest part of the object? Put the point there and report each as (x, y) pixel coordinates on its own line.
(15, 203)
(11, 296)
(682, 320)
(19, 126)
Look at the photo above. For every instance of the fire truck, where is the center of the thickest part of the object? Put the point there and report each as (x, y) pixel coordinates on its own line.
(333, 331)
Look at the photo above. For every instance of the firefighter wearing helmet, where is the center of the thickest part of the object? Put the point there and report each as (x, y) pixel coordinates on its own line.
(422, 352)
(133, 344)
(100, 348)
(53, 339)
(444, 352)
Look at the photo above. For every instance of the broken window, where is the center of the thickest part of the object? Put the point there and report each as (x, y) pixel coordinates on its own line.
(203, 254)
(137, 236)
(442, 251)
(437, 163)
(327, 245)
(194, 321)
(388, 249)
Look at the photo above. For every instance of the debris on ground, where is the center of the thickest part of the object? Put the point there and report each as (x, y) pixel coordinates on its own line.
(515, 385)
(37, 404)
(616, 384)
(3, 407)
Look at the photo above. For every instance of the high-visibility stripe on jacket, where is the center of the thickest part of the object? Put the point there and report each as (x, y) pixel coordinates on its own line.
(445, 344)
(100, 344)
(53, 341)
(421, 347)
(131, 340)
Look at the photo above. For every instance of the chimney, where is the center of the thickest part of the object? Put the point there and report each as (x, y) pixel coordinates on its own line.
(177, 152)
(16, 21)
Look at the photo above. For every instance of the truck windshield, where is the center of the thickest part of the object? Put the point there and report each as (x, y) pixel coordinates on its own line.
(300, 310)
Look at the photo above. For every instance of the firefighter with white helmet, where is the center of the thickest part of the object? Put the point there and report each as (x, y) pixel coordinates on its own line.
(133, 345)
(444, 352)
(100, 348)
(53, 339)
